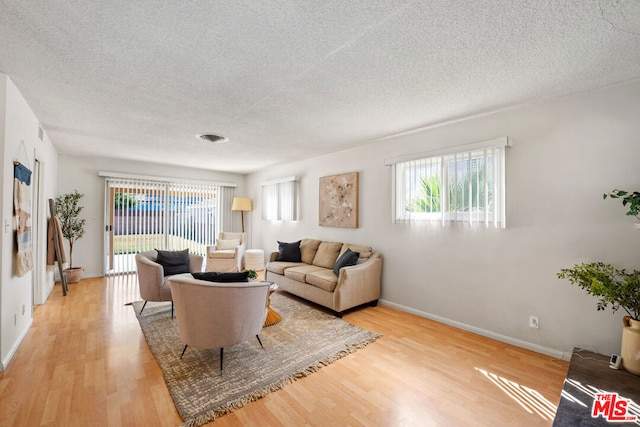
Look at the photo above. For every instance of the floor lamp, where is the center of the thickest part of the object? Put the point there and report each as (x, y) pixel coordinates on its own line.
(242, 204)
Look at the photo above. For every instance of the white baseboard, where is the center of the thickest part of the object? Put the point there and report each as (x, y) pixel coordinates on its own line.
(484, 332)
(14, 348)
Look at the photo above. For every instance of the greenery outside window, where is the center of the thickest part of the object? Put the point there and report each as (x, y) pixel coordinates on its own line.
(464, 185)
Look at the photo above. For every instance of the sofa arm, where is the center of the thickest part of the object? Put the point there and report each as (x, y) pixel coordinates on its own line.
(359, 284)
(240, 250)
(273, 256)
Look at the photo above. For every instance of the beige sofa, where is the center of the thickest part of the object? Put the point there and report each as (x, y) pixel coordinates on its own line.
(313, 278)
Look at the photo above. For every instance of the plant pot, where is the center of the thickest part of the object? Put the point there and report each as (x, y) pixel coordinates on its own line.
(630, 352)
(74, 274)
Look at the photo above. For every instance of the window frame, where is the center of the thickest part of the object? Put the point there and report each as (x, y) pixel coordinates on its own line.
(280, 199)
(490, 185)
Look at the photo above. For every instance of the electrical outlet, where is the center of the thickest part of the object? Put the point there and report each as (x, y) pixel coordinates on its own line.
(534, 322)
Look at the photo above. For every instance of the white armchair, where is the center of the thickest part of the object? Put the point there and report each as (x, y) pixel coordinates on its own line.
(151, 279)
(228, 253)
(218, 315)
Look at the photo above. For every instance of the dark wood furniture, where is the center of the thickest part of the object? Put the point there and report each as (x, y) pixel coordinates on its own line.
(589, 374)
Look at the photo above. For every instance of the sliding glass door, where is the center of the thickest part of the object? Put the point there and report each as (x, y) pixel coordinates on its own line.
(144, 214)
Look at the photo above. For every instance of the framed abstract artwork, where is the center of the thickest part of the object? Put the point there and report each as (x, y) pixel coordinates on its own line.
(338, 204)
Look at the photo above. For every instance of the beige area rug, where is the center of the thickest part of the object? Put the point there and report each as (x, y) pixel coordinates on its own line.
(305, 340)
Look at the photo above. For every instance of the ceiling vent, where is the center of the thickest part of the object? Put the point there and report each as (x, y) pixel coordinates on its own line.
(216, 139)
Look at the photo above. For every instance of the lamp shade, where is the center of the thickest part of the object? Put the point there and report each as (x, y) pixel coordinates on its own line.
(241, 204)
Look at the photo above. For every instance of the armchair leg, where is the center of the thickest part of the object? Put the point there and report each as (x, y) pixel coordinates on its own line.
(258, 336)
(143, 305)
(172, 309)
(183, 350)
(221, 358)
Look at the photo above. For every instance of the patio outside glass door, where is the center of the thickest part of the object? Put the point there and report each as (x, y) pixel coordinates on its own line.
(142, 215)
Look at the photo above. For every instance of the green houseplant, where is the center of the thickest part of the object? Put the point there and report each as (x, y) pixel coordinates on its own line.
(630, 199)
(618, 289)
(612, 287)
(68, 209)
(252, 275)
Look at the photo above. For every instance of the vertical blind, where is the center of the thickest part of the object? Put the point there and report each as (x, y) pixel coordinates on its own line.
(280, 199)
(463, 185)
(146, 214)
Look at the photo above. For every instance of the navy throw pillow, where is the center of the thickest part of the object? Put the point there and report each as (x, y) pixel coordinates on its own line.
(173, 262)
(214, 276)
(289, 252)
(347, 259)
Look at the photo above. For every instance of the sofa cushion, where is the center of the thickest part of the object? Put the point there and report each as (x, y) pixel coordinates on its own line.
(225, 254)
(327, 254)
(213, 276)
(347, 259)
(308, 249)
(364, 251)
(173, 262)
(222, 244)
(323, 279)
(289, 252)
(299, 273)
(279, 267)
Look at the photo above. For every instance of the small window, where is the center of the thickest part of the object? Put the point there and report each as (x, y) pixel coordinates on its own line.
(280, 200)
(463, 185)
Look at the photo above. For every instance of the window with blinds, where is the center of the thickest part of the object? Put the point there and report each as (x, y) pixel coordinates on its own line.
(280, 200)
(463, 185)
(146, 214)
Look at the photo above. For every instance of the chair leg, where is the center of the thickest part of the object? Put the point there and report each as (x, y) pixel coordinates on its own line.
(221, 358)
(143, 305)
(183, 350)
(172, 309)
(258, 336)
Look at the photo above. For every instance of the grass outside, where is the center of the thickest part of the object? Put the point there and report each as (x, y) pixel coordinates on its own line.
(134, 243)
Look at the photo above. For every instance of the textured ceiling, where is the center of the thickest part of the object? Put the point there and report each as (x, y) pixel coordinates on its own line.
(286, 80)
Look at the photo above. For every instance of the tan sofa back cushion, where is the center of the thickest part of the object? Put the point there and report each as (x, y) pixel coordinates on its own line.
(327, 254)
(364, 251)
(308, 249)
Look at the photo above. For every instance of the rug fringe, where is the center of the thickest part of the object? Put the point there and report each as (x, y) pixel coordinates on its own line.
(213, 414)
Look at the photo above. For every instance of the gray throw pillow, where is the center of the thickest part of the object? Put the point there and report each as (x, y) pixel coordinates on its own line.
(347, 259)
(173, 262)
(214, 276)
(289, 252)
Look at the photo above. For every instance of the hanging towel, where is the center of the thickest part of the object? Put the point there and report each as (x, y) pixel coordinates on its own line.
(22, 208)
(54, 227)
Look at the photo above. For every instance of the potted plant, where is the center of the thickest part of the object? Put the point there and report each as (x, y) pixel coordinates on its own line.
(68, 209)
(252, 275)
(632, 199)
(618, 289)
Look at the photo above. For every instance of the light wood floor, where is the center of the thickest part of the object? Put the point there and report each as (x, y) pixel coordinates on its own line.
(85, 362)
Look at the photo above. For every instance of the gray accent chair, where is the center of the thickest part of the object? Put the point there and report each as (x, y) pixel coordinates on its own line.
(218, 315)
(151, 279)
(226, 257)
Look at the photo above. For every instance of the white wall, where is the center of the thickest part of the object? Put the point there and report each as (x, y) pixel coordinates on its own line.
(81, 173)
(566, 153)
(17, 124)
